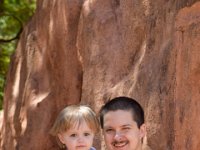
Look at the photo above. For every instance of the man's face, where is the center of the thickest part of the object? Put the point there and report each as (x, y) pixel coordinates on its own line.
(121, 131)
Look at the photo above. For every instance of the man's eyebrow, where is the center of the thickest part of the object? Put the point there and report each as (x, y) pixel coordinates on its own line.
(126, 125)
(107, 127)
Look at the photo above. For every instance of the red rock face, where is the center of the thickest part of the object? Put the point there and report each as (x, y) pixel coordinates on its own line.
(37, 86)
(90, 51)
(187, 89)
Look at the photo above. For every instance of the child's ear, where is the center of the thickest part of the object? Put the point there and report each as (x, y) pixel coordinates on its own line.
(142, 130)
(60, 137)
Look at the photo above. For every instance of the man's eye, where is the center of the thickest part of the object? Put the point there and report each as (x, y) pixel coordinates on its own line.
(109, 130)
(73, 135)
(86, 134)
(126, 128)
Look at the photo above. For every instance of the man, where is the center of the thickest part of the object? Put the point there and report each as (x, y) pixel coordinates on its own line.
(122, 121)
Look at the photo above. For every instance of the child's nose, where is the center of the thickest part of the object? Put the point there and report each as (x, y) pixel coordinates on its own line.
(80, 139)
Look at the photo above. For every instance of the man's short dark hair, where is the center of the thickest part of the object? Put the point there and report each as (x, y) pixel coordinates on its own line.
(126, 104)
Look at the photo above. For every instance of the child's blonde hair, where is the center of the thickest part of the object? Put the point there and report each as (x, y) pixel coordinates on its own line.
(74, 115)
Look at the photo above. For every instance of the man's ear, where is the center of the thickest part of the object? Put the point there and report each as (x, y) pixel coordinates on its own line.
(142, 130)
(60, 137)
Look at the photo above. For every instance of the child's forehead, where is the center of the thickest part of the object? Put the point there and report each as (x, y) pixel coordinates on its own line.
(80, 126)
(79, 123)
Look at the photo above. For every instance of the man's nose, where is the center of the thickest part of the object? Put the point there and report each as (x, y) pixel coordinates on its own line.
(118, 136)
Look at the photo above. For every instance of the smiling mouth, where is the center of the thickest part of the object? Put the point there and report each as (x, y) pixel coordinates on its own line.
(120, 144)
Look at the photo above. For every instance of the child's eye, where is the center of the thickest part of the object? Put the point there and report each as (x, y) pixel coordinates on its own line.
(73, 135)
(86, 134)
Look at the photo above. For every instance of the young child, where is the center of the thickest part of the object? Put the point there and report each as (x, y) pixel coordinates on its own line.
(75, 127)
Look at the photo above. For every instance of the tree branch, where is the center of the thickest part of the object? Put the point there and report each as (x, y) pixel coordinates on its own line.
(19, 32)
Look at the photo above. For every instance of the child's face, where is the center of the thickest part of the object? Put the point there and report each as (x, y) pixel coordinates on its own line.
(78, 137)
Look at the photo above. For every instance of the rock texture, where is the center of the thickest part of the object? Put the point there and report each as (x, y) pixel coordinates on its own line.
(88, 51)
(45, 76)
(187, 90)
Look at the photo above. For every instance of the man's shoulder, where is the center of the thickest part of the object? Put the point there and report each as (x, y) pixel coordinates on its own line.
(92, 148)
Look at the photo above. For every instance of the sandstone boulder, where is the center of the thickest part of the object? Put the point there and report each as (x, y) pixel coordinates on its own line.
(90, 51)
